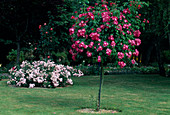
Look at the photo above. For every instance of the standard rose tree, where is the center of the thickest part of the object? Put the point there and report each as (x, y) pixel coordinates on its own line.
(107, 32)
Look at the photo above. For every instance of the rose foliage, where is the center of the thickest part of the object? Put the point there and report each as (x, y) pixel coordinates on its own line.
(42, 74)
(107, 32)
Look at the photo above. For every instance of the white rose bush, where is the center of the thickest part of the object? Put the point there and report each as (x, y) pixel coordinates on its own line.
(42, 74)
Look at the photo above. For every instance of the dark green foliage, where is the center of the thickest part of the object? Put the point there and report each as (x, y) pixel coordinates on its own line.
(3, 69)
(4, 76)
(166, 56)
(13, 55)
(61, 57)
(89, 70)
(18, 22)
(55, 40)
(25, 54)
(95, 70)
(155, 38)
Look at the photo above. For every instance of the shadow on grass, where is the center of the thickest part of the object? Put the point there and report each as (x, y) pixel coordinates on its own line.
(52, 101)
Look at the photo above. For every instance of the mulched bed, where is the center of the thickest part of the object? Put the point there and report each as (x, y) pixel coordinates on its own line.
(93, 111)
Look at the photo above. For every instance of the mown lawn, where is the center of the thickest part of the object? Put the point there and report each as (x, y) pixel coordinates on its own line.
(133, 94)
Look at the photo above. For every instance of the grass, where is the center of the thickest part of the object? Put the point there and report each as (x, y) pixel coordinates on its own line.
(133, 94)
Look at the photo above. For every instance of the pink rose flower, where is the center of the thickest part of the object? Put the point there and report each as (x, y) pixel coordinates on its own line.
(99, 59)
(81, 45)
(136, 33)
(105, 44)
(129, 54)
(85, 46)
(125, 47)
(136, 53)
(120, 55)
(121, 64)
(89, 54)
(99, 30)
(108, 51)
(91, 44)
(133, 61)
(111, 37)
(137, 41)
(113, 44)
(73, 46)
(100, 48)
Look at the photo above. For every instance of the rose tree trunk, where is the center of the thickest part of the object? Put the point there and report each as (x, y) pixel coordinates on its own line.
(100, 88)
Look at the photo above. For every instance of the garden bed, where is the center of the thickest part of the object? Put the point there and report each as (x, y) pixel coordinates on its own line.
(93, 111)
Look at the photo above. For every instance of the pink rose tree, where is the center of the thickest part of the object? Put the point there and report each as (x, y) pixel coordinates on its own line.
(108, 32)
